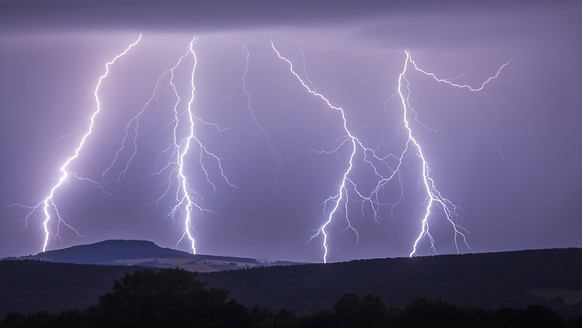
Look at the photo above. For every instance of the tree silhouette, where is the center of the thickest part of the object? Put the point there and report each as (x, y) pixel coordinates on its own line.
(174, 298)
(166, 298)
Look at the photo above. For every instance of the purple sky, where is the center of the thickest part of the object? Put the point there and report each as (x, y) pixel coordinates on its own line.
(509, 156)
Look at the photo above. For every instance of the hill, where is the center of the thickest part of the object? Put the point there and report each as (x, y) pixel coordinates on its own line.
(491, 280)
(146, 254)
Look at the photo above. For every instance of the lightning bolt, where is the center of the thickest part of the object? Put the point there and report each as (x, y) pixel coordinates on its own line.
(184, 199)
(183, 148)
(390, 163)
(332, 204)
(433, 195)
(48, 205)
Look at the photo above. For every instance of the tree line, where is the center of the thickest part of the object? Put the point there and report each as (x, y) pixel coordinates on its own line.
(175, 298)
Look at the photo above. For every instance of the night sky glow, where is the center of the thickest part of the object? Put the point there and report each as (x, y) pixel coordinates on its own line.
(294, 131)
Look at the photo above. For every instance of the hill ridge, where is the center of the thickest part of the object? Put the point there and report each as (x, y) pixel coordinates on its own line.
(514, 278)
(146, 253)
(551, 277)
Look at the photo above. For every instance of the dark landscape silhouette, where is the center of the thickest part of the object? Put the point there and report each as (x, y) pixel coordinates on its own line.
(175, 298)
(540, 282)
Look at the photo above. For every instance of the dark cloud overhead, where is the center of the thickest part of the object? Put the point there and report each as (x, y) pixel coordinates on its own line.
(63, 15)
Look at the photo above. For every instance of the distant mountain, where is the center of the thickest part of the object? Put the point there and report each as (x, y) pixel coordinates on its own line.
(146, 254)
(109, 252)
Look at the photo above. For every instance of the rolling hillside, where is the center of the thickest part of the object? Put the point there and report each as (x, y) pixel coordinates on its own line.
(492, 280)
